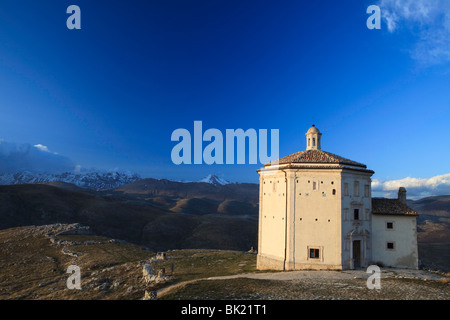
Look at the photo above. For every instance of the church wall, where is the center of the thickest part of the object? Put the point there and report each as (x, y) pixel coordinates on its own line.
(402, 234)
(315, 220)
(272, 221)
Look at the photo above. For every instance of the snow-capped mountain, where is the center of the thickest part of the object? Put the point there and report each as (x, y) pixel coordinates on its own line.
(215, 180)
(92, 180)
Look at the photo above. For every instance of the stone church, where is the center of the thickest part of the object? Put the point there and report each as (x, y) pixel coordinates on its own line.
(316, 211)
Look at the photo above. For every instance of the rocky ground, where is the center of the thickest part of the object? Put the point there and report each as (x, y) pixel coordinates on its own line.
(311, 289)
(395, 284)
(34, 262)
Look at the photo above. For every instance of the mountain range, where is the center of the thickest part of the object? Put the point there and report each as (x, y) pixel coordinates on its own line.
(98, 180)
(93, 180)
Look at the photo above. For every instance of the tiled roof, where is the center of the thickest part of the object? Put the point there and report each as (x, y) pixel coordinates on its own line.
(391, 207)
(317, 156)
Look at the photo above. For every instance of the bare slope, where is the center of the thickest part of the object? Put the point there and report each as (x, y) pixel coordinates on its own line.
(146, 225)
(34, 261)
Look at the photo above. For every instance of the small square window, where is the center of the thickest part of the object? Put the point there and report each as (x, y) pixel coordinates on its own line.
(389, 225)
(314, 253)
(390, 246)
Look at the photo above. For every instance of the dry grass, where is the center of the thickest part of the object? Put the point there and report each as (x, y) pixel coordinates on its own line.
(33, 268)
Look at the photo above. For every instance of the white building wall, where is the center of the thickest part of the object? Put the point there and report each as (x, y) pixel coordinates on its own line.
(272, 221)
(316, 219)
(403, 236)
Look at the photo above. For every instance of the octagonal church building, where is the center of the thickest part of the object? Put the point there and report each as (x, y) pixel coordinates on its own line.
(316, 211)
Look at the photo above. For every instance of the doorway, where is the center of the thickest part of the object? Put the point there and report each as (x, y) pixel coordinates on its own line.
(357, 254)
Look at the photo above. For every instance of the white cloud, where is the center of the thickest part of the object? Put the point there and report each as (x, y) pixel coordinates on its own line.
(41, 147)
(428, 20)
(416, 187)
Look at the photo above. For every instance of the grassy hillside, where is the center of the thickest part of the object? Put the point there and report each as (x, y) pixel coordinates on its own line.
(34, 260)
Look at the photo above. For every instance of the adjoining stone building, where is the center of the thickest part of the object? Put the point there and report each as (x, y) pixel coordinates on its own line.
(316, 212)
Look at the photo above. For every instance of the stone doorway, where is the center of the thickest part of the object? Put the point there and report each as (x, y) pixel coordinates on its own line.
(356, 254)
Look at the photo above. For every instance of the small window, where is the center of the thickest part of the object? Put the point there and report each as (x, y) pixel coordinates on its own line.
(346, 189)
(356, 214)
(366, 191)
(334, 192)
(389, 225)
(356, 189)
(314, 253)
(309, 142)
(390, 246)
(314, 185)
(314, 142)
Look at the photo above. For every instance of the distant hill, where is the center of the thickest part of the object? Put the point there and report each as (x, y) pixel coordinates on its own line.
(247, 192)
(109, 216)
(436, 205)
(434, 218)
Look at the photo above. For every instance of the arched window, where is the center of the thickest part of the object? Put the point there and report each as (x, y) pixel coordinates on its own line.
(314, 142)
(309, 142)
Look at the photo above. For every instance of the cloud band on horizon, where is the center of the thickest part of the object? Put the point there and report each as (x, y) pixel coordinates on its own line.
(416, 187)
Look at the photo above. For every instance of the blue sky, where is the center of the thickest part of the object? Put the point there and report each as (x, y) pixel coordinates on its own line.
(110, 95)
